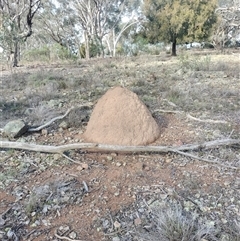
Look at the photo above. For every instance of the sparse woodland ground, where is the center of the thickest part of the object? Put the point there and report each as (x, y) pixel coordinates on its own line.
(111, 196)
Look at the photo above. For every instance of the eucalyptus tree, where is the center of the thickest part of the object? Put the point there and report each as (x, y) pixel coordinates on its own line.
(127, 20)
(178, 20)
(228, 27)
(16, 24)
(101, 18)
(58, 21)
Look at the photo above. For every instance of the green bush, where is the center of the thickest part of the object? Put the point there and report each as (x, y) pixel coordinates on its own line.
(194, 63)
(37, 54)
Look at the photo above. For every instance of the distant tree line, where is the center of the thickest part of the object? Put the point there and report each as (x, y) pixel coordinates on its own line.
(88, 28)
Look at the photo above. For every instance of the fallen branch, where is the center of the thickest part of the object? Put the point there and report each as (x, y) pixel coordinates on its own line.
(93, 147)
(49, 122)
(191, 117)
(207, 121)
(205, 160)
(65, 238)
(33, 129)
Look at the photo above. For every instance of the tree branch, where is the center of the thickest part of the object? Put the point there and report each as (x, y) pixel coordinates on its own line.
(94, 147)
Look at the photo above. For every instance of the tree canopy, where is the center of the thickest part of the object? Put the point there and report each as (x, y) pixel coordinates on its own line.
(178, 20)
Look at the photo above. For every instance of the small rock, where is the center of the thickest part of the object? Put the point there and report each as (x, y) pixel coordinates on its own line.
(105, 223)
(117, 224)
(109, 158)
(163, 196)
(44, 132)
(72, 235)
(139, 166)
(63, 229)
(85, 166)
(118, 164)
(63, 125)
(116, 239)
(147, 168)
(56, 157)
(168, 160)
(80, 168)
(137, 221)
(2, 221)
(15, 128)
(46, 222)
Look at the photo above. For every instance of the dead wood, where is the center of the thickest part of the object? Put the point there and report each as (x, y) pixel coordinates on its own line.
(33, 129)
(94, 147)
(191, 117)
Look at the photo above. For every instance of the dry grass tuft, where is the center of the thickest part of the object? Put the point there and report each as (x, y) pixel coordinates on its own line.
(172, 223)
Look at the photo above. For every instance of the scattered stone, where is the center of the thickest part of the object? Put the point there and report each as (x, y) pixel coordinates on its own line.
(109, 158)
(118, 164)
(85, 166)
(116, 194)
(121, 118)
(15, 128)
(137, 221)
(168, 160)
(56, 157)
(72, 235)
(80, 168)
(116, 239)
(2, 221)
(63, 125)
(64, 229)
(117, 224)
(147, 168)
(44, 132)
(46, 222)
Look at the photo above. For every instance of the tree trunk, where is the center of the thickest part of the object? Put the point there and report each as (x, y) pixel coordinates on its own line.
(16, 52)
(174, 44)
(87, 50)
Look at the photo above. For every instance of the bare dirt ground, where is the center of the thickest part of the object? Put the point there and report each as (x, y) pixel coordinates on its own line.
(112, 196)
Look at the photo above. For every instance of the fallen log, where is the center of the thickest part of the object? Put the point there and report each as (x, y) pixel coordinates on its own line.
(94, 147)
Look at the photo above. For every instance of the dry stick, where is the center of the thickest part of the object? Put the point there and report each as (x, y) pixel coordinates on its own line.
(65, 238)
(207, 121)
(50, 122)
(93, 147)
(70, 159)
(205, 160)
(191, 117)
(56, 118)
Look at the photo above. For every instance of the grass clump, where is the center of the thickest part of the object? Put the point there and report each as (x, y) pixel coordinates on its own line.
(173, 223)
(194, 63)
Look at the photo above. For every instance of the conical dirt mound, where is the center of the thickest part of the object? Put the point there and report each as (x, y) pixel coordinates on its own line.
(121, 118)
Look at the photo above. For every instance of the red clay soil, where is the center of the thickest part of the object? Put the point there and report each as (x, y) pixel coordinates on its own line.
(121, 118)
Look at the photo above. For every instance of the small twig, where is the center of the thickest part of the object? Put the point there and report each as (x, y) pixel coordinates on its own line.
(207, 121)
(50, 122)
(70, 159)
(65, 238)
(111, 220)
(113, 233)
(191, 117)
(33, 129)
(169, 111)
(85, 186)
(205, 160)
(230, 134)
